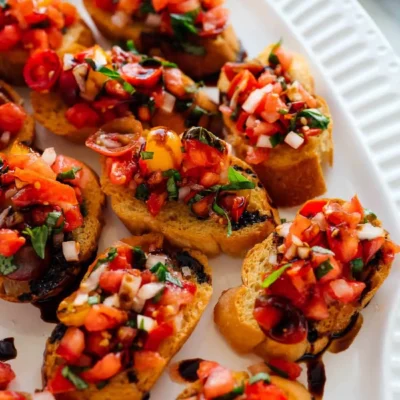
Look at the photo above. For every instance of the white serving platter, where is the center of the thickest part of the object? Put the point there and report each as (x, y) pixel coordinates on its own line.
(358, 74)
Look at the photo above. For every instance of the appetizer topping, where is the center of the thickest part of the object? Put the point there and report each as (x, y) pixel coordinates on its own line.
(100, 86)
(180, 20)
(35, 25)
(268, 107)
(6, 375)
(327, 256)
(194, 169)
(119, 318)
(40, 200)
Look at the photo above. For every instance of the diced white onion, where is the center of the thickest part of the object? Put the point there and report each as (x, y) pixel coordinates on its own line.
(153, 20)
(150, 290)
(129, 288)
(81, 299)
(291, 252)
(251, 121)
(283, 230)
(178, 322)
(120, 19)
(80, 73)
(68, 61)
(100, 57)
(294, 140)
(320, 220)
(262, 128)
(154, 259)
(183, 192)
(296, 240)
(253, 101)
(42, 396)
(5, 137)
(71, 250)
(112, 301)
(186, 271)
(146, 323)
(369, 232)
(49, 156)
(138, 304)
(169, 103)
(92, 282)
(303, 252)
(273, 259)
(293, 92)
(264, 141)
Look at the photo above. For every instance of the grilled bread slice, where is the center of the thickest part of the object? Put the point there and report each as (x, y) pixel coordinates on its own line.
(291, 176)
(131, 383)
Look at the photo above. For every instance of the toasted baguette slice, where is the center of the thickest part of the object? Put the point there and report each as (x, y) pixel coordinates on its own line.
(219, 50)
(291, 176)
(60, 274)
(233, 313)
(12, 62)
(182, 228)
(122, 386)
(27, 133)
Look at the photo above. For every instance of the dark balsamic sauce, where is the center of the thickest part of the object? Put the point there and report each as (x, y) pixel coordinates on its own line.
(248, 218)
(187, 369)
(7, 349)
(316, 377)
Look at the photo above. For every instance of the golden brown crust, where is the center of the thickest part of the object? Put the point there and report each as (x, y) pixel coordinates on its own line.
(219, 50)
(120, 387)
(12, 62)
(290, 176)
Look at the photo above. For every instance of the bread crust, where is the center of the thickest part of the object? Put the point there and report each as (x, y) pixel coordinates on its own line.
(183, 229)
(120, 387)
(223, 48)
(12, 62)
(291, 176)
(234, 310)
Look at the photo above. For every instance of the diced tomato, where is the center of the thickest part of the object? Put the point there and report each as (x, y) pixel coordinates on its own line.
(310, 234)
(126, 335)
(35, 39)
(10, 242)
(209, 179)
(124, 259)
(266, 78)
(157, 335)
(318, 258)
(106, 5)
(307, 97)
(219, 382)
(141, 76)
(175, 295)
(176, 82)
(231, 69)
(371, 247)
(273, 103)
(302, 276)
(198, 154)
(257, 155)
(205, 369)
(69, 11)
(71, 345)
(10, 36)
(55, 16)
(291, 369)
(285, 58)
(6, 375)
(183, 6)
(156, 202)
(59, 384)
(55, 37)
(12, 118)
(299, 225)
(354, 206)
(345, 291)
(97, 344)
(158, 5)
(316, 308)
(238, 207)
(101, 317)
(73, 217)
(267, 317)
(212, 3)
(344, 243)
(81, 115)
(214, 21)
(312, 207)
(110, 281)
(334, 273)
(104, 369)
(244, 82)
(336, 214)
(147, 360)
(261, 390)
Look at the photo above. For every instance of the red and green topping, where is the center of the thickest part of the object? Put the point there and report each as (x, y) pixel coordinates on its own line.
(328, 255)
(100, 86)
(130, 303)
(40, 205)
(12, 119)
(34, 24)
(268, 107)
(194, 169)
(179, 19)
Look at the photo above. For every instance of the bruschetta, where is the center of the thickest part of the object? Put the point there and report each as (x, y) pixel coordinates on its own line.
(304, 284)
(15, 124)
(277, 124)
(88, 88)
(50, 222)
(195, 34)
(184, 187)
(134, 309)
(30, 25)
(213, 381)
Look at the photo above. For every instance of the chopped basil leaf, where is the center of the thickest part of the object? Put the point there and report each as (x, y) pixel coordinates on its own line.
(141, 326)
(53, 218)
(131, 323)
(7, 265)
(357, 266)
(315, 118)
(93, 300)
(204, 136)
(183, 105)
(139, 257)
(237, 181)
(163, 275)
(261, 376)
(276, 139)
(172, 173)
(283, 220)
(142, 192)
(272, 58)
(369, 215)
(323, 269)
(195, 114)
(70, 174)
(283, 83)
(194, 49)
(83, 208)
(102, 384)
(147, 7)
(111, 255)
(39, 236)
(234, 394)
(220, 211)
(110, 73)
(128, 88)
(172, 188)
(278, 371)
(322, 250)
(146, 155)
(130, 45)
(91, 63)
(78, 382)
(194, 88)
(182, 24)
(270, 279)
(283, 111)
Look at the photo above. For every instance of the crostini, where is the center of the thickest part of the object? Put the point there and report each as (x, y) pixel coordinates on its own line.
(15, 124)
(30, 25)
(277, 124)
(194, 34)
(50, 222)
(137, 305)
(213, 381)
(304, 284)
(91, 87)
(185, 188)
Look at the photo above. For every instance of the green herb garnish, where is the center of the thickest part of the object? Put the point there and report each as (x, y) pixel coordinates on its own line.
(139, 257)
(357, 266)
(204, 136)
(315, 118)
(220, 211)
(273, 58)
(369, 215)
(237, 181)
(111, 255)
(39, 236)
(195, 114)
(130, 45)
(93, 300)
(274, 276)
(276, 139)
(78, 382)
(142, 192)
(323, 269)
(147, 155)
(70, 174)
(163, 275)
(7, 265)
